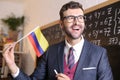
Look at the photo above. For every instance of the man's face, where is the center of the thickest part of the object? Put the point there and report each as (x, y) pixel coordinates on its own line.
(73, 23)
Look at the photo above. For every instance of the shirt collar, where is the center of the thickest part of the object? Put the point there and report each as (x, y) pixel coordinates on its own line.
(77, 49)
(76, 46)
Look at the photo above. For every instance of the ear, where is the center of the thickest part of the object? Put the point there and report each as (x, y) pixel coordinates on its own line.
(61, 24)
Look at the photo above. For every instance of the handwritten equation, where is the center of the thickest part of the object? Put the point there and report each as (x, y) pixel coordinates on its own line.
(103, 25)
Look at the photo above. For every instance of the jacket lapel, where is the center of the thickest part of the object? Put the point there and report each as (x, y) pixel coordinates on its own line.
(61, 57)
(82, 58)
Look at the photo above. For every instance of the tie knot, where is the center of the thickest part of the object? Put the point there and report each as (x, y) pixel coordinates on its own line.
(71, 49)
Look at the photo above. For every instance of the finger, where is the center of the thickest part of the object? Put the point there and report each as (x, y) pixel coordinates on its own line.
(12, 46)
(60, 75)
(60, 78)
(8, 47)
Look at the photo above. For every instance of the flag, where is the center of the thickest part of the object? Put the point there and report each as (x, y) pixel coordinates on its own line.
(38, 41)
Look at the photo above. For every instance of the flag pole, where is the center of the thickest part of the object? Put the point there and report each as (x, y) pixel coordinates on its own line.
(26, 35)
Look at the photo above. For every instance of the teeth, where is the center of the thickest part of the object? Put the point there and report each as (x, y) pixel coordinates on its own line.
(75, 29)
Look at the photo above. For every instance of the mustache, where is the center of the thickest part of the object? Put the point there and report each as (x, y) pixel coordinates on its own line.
(76, 25)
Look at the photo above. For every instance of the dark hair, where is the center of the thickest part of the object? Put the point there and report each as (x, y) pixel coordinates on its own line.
(69, 5)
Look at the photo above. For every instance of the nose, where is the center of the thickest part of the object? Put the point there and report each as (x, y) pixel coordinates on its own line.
(76, 21)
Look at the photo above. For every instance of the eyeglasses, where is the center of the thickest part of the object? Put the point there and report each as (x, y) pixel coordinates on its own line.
(70, 19)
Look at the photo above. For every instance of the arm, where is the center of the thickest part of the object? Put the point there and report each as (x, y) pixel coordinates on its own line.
(8, 55)
(39, 73)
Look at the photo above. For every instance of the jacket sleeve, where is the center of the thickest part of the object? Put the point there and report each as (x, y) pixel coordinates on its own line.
(104, 69)
(38, 74)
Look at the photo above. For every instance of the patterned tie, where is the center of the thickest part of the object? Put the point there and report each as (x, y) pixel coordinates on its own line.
(71, 59)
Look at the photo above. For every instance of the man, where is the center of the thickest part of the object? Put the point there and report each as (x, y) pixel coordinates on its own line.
(87, 61)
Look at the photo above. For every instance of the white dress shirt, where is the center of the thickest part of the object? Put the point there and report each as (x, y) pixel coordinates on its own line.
(77, 50)
(17, 73)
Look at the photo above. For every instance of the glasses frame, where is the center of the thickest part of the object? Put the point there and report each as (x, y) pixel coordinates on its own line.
(72, 18)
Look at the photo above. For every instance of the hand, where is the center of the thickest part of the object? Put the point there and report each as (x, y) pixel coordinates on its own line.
(61, 76)
(8, 55)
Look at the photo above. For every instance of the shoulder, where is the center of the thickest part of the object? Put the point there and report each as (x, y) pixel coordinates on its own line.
(93, 46)
(55, 47)
(62, 43)
(94, 51)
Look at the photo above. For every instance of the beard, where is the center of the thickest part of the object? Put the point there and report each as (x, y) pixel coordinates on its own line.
(71, 34)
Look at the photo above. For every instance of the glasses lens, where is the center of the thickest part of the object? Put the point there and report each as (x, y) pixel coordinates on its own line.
(80, 18)
(70, 18)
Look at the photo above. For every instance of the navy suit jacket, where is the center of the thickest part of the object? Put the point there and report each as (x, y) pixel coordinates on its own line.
(92, 65)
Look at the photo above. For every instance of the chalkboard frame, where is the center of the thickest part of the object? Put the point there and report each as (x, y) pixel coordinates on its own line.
(100, 5)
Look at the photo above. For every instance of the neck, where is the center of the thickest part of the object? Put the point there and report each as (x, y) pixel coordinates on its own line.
(72, 42)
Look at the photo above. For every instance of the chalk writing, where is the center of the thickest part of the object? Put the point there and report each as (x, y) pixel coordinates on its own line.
(103, 25)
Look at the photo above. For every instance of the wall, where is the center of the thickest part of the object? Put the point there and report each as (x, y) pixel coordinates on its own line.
(8, 8)
(37, 12)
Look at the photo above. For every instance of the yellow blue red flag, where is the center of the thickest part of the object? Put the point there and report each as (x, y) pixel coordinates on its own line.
(38, 41)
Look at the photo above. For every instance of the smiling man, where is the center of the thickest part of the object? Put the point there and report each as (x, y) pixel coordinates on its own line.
(72, 59)
(72, 24)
